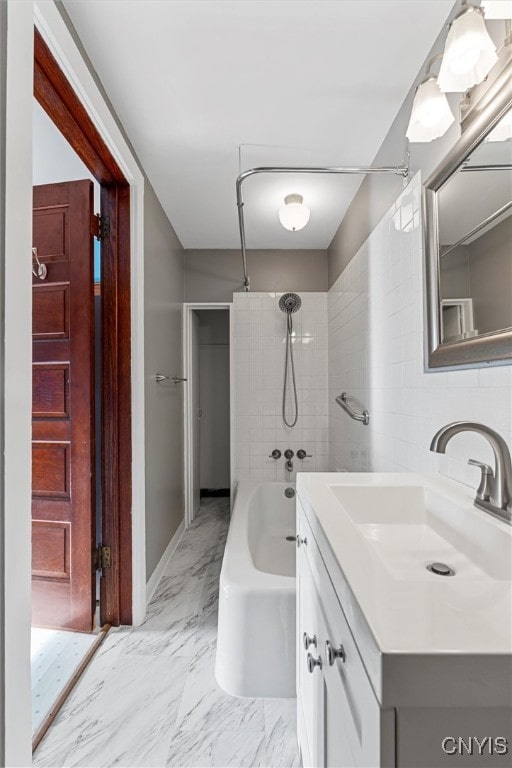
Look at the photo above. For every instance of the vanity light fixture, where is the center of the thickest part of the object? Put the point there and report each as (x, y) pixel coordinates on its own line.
(431, 115)
(294, 215)
(497, 9)
(469, 53)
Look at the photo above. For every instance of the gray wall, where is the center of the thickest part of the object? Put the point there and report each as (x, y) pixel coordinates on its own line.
(490, 270)
(214, 398)
(455, 282)
(163, 298)
(482, 270)
(377, 193)
(213, 275)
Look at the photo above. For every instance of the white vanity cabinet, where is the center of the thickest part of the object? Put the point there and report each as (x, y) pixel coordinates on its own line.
(389, 674)
(340, 722)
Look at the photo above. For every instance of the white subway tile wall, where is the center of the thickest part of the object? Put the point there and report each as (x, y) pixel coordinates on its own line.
(259, 345)
(376, 321)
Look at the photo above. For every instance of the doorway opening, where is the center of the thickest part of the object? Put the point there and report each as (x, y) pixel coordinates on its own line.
(81, 419)
(208, 420)
(57, 650)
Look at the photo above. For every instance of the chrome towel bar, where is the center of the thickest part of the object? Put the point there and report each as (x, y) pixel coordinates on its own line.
(342, 402)
(176, 379)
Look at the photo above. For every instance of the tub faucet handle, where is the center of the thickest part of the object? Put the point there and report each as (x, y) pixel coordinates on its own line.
(276, 454)
(301, 454)
(288, 454)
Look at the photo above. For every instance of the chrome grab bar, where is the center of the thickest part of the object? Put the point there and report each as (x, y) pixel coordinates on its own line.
(176, 379)
(342, 402)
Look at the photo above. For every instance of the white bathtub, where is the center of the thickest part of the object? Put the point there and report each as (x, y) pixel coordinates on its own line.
(256, 638)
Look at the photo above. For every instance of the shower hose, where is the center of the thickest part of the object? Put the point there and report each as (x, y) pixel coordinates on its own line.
(289, 363)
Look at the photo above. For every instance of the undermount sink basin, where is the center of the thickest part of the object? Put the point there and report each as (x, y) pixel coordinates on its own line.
(411, 526)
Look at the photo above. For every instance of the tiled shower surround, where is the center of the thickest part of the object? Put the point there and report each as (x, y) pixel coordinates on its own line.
(376, 328)
(259, 344)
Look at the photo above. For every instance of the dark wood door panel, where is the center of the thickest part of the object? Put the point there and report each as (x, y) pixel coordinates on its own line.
(50, 390)
(50, 312)
(51, 232)
(56, 593)
(50, 550)
(63, 515)
(51, 470)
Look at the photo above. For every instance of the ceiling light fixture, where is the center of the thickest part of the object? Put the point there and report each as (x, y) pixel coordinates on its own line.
(497, 9)
(294, 215)
(431, 115)
(469, 53)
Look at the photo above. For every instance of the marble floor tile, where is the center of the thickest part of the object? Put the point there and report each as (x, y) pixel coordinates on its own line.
(127, 721)
(150, 698)
(213, 749)
(205, 706)
(281, 746)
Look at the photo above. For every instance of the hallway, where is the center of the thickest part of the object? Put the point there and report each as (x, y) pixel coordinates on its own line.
(149, 697)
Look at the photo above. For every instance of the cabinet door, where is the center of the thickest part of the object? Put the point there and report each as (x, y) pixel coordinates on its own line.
(309, 684)
(336, 746)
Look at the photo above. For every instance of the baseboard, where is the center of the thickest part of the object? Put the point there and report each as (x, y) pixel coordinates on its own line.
(213, 492)
(157, 574)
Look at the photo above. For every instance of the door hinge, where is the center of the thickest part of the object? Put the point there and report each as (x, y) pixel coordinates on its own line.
(100, 226)
(102, 557)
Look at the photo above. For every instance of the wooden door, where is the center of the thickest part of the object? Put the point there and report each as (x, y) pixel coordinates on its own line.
(63, 515)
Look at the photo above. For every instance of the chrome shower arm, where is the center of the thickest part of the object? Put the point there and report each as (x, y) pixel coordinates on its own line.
(401, 170)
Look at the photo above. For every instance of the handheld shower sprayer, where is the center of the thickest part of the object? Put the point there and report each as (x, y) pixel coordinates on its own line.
(289, 303)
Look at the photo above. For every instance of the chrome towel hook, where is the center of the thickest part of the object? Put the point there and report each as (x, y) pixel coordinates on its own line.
(176, 379)
(41, 271)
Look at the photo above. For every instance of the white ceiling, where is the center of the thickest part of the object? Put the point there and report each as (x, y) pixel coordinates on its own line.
(316, 82)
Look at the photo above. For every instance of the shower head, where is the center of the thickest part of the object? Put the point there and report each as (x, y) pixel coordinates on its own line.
(289, 302)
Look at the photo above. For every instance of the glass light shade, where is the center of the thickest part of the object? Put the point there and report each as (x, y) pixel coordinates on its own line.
(469, 53)
(497, 9)
(503, 130)
(431, 115)
(294, 215)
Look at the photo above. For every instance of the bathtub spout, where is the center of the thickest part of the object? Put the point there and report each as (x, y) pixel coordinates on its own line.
(289, 465)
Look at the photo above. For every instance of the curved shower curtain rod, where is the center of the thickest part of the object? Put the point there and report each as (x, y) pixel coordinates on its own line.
(401, 170)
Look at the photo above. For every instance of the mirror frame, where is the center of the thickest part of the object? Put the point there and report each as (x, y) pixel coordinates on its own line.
(490, 348)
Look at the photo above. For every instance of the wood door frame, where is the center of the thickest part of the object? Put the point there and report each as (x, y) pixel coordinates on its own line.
(188, 416)
(59, 100)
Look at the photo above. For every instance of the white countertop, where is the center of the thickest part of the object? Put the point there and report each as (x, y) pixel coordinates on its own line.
(409, 610)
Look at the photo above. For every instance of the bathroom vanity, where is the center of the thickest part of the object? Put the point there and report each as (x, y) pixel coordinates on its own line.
(399, 665)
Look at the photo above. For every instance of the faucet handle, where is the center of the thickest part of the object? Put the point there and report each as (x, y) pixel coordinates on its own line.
(486, 486)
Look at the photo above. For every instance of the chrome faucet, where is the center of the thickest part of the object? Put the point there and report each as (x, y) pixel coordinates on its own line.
(288, 454)
(494, 494)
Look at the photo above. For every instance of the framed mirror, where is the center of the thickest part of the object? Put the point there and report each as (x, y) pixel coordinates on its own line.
(468, 218)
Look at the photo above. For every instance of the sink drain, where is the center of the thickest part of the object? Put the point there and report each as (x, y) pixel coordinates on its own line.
(440, 569)
(290, 538)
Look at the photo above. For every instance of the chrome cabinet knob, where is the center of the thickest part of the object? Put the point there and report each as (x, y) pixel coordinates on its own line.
(301, 540)
(307, 640)
(312, 663)
(334, 653)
